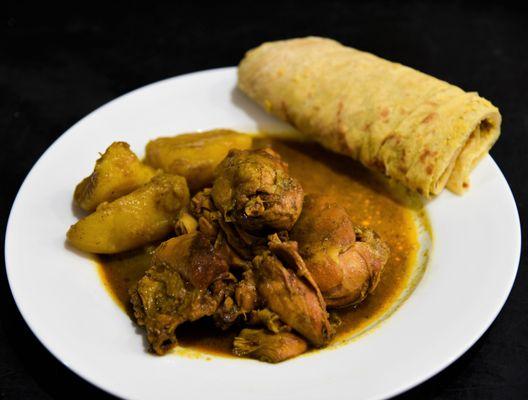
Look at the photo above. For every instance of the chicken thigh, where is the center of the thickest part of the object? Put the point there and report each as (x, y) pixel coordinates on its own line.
(252, 188)
(187, 281)
(346, 261)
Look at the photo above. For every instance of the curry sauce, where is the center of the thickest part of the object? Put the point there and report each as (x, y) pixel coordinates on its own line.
(368, 200)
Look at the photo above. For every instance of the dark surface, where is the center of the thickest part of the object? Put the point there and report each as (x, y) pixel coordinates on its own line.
(56, 68)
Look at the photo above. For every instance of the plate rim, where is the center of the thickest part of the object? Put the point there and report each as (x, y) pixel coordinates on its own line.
(506, 294)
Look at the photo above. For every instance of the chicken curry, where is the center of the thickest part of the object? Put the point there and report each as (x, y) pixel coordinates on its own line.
(267, 249)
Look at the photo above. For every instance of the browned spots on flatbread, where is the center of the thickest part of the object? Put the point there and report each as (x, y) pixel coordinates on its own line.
(429, 118)
(384, 114)
(403, 155)
(366, 127)
(391, 137)
(426, 153)
(341, 128)
(429, 169)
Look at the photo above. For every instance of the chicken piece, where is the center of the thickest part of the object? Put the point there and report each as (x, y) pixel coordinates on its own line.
(187, 281)
(252, 188)
(223, 247)
(246, 292)
(193, 257)
(117, 172)
(288, 253)
(226, 314)
(268, 319)
(143, 216)
(267, 346)
(195, 155)
(374, 251)
(293, 297)
(345, 261)
(240, 241)
(204, 211)
(242, 298)
(238, 303)
(162, 302)
(210, 222)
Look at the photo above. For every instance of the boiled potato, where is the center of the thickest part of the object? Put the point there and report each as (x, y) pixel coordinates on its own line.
(117, 172)
(195, 155)
(145, 215)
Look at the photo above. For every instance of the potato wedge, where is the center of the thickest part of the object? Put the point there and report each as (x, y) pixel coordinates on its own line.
(117, 172)
(145, 215)
(195, 156)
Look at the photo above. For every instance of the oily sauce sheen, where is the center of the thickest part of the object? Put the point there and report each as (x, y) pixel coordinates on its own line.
(368, 201)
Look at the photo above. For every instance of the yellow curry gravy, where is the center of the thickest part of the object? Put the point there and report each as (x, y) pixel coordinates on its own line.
(367, 199)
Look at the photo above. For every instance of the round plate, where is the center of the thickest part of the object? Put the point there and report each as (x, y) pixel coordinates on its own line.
(60, 295)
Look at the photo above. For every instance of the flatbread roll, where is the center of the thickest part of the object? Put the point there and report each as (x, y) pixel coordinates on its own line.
(410, 126)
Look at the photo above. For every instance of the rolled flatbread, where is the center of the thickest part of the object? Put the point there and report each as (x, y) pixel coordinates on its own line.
(410, 126)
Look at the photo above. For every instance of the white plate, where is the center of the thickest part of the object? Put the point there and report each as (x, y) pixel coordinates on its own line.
(59, 293)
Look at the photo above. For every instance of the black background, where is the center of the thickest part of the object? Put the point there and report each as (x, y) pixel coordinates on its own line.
(58, 65)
